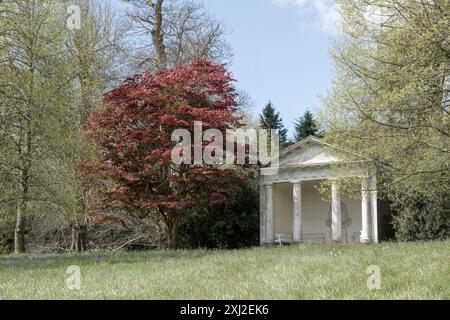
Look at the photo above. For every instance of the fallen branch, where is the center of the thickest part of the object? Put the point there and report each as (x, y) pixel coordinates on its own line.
(128, 242)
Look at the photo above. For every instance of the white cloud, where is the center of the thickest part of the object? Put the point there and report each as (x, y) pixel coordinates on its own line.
(325, 13)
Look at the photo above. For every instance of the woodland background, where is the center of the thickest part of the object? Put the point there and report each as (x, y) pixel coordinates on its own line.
(389, 101)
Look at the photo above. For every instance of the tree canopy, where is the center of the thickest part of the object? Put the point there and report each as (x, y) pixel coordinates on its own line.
(306, 126)
(271, 119)
(390, 99)
(133, 134)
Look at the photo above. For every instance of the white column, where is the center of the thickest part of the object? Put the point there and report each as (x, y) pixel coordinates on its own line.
(365, 210)
(297, 212)
(269, 213)
(262, 214)
(374, 204)
(336, 223)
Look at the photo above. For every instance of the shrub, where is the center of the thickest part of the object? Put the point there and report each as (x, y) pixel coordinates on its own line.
(230, 225)
(7, 225)
(421, 218)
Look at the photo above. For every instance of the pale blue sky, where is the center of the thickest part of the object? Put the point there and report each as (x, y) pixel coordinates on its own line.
(281, 51)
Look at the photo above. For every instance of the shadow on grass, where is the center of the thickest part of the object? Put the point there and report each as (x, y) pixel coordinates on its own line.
(48, 261)
(39, 261)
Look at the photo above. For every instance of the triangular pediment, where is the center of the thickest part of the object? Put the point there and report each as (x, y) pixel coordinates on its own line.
(313, 151)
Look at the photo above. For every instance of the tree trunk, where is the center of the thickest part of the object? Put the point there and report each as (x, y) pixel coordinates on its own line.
(158, 35)
(25, 167)
(82, 237)
(74, 238)
(22, 206)
(79, 238)
(173, 228)
(19, 233)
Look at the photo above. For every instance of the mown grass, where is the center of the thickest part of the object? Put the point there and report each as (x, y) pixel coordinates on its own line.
(332, 271)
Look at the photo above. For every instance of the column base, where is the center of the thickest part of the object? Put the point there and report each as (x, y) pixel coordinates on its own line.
(365, 240)
(297, 240)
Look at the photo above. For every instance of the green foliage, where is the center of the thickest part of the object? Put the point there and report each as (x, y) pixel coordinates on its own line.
(306, 126)
(390, 99)
(60, 76)
(271, 119)
(422, 218)
(6, 231)
(231, 225)
(36, 118)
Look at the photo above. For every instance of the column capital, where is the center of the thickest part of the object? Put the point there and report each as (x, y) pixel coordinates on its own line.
(366, 173)
(365, 184)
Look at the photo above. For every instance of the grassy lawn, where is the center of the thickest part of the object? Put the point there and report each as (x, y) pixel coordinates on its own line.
(408, 271)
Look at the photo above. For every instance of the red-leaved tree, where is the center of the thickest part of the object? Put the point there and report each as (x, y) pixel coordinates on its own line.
(133, 134)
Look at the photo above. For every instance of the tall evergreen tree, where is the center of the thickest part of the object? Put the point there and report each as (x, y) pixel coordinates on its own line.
(306, 126)
(270, 119)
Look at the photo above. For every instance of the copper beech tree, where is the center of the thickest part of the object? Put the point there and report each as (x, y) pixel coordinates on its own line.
(133, 134)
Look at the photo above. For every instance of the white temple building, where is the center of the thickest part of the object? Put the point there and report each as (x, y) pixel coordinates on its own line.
(293, 210)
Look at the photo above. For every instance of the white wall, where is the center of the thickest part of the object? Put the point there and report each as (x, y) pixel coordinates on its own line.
(282, 208)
